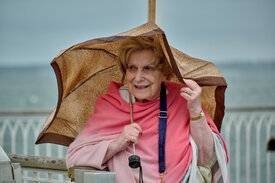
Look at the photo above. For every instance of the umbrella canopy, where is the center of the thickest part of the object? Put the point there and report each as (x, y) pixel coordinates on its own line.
(84, 71)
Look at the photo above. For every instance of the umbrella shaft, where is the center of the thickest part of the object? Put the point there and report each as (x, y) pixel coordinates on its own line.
(132, 120)
(134, 149)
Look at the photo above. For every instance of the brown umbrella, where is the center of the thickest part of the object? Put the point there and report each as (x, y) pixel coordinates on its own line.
(84, 71)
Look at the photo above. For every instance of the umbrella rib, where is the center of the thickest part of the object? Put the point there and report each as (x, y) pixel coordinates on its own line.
(196, 68)
(98, 49)
(90, 78)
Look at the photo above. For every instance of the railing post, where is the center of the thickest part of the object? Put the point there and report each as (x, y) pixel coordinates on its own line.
(86, 176)
(152, 11)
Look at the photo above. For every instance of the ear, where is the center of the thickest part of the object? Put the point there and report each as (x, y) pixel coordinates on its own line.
(164, 78)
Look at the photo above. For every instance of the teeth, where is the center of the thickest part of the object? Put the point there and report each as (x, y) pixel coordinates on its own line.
(141, 86)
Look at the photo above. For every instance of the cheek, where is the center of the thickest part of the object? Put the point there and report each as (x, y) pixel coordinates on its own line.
(157, 79)
(128, 77)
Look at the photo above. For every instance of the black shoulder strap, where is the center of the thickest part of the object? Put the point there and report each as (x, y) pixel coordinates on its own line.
(162, 128)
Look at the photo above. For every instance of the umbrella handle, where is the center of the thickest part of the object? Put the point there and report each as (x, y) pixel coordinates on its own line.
(131, 107)
(131, 114)
(134, 160)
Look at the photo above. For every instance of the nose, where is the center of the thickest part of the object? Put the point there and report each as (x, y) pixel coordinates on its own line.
(139, 75)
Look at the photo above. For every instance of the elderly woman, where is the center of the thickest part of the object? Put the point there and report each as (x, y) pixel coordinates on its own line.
(182, 146)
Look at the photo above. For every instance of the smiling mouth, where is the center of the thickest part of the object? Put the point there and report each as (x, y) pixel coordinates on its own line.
(141, 86)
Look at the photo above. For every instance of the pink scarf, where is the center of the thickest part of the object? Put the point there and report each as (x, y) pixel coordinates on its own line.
(112, 113)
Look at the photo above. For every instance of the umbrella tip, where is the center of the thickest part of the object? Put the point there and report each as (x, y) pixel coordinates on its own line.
(152, 11)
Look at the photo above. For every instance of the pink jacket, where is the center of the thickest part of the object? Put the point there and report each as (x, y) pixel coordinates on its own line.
(112, 113)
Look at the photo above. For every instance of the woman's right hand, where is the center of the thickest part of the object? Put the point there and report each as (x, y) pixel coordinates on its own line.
(129, 134)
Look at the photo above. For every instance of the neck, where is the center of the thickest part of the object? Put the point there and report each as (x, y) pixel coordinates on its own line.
(142, 100)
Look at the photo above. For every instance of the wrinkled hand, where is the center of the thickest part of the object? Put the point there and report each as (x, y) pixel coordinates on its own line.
(129, 134)
(192, 93)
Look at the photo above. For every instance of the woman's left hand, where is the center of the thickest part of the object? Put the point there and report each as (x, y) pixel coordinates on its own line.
(192, 93)
(200, 131)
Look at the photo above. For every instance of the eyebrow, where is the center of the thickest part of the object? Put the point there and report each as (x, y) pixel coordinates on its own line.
(152, 64)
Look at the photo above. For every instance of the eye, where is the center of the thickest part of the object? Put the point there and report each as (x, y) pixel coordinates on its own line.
(148, 69)
(132, 68)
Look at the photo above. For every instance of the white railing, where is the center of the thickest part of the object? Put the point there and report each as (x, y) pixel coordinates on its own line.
(41, 168)
(245, 130)
(44, 175)
(18, 132)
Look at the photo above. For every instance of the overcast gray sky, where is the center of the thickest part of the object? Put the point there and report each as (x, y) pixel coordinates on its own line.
(33, 31)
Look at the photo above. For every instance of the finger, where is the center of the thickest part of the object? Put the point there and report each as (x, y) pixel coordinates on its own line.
(137, 127)
(191, 84)
(186, 90)
(186, 96)
(132, 139)
(134, 133)
(130, 131)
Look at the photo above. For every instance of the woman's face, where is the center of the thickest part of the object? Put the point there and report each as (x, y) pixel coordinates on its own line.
(142, 78)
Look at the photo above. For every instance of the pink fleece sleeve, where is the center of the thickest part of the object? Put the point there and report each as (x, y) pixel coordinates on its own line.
(214, 129)
(88, 155)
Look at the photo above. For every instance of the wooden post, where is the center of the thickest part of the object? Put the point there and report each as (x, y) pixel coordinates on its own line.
(152, 11)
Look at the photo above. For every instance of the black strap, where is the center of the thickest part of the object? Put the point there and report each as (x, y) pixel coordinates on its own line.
(134, 162)
(140, 175)
(162, 128)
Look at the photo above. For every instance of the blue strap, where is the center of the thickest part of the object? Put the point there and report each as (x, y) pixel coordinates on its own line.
(162, 128)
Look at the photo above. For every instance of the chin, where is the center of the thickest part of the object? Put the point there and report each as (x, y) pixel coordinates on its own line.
(141, 98)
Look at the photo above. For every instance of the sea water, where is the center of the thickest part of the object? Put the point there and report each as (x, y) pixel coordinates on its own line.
(23, 88)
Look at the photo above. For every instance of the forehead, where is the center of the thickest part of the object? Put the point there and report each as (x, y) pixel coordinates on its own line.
(142, 57)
